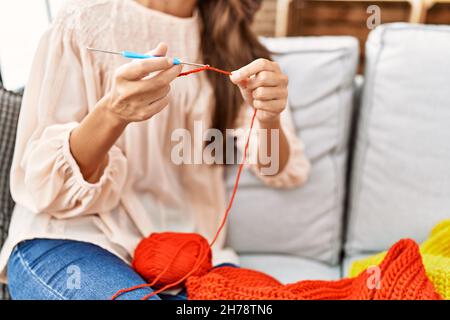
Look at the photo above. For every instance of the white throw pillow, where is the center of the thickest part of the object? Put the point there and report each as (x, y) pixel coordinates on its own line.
(401, 173)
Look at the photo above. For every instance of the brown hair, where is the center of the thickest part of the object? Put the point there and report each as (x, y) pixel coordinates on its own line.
(227, 42)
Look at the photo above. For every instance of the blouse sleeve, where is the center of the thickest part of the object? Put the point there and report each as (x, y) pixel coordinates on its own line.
(44, 176)
(296, 171)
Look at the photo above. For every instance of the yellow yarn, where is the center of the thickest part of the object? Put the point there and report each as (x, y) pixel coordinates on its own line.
(435, 255)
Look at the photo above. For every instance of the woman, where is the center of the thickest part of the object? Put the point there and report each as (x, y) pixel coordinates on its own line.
(92, 172)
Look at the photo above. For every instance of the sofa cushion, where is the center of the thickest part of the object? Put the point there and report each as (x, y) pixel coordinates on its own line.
(401, 172)
(307, 221)
(289, 269)
(349, 259)
(9, 114)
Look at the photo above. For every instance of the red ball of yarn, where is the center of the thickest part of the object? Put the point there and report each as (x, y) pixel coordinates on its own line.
(165, 258)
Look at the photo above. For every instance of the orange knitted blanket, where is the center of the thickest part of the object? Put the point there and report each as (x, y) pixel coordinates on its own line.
(401, 277)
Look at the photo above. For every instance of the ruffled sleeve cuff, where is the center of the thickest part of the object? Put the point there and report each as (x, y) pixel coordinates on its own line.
(114, 156)
(295, 172)
(55, 180)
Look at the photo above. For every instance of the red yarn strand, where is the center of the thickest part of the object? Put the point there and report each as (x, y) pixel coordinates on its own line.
(202, 252)
(241, 166)
(236, 182)
(205, 68)
(224, 219)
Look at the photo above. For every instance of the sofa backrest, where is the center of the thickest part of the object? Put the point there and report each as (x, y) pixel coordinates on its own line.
(306, 221)
(400, 179)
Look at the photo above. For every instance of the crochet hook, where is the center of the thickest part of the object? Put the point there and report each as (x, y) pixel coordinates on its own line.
(134, 55)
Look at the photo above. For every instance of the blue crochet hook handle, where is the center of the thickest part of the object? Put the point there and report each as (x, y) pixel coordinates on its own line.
(135, 55)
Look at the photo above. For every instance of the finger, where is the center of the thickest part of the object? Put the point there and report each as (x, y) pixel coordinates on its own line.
(139, 69)
(159, 105)
(168, 75)
(243, 84)
(269, 93)
(247, 95)
(267, 79)
(151, 109)
(148, 98)
(267, 115)
(274, 106)
(252, 69)
(161, 80)
(160, 50)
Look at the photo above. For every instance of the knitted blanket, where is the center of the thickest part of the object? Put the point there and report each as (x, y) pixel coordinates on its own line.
(401, 276)
(435, 254)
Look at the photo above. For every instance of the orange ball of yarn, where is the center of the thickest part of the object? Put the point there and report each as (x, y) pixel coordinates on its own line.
(165, 258)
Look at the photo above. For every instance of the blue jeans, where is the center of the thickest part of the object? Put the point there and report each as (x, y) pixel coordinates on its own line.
(44, 269)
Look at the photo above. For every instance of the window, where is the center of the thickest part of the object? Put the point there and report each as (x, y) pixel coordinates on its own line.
(22, 23)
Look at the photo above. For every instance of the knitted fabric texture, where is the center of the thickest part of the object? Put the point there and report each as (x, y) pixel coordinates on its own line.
(402, 277)
(435, 254)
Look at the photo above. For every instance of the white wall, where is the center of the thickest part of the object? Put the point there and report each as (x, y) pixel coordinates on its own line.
(22, 23)
(54, 6)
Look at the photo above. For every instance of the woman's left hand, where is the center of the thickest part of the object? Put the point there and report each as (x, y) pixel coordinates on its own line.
(264, 87)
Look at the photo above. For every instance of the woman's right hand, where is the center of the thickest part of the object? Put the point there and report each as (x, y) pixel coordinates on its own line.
(136, 96)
